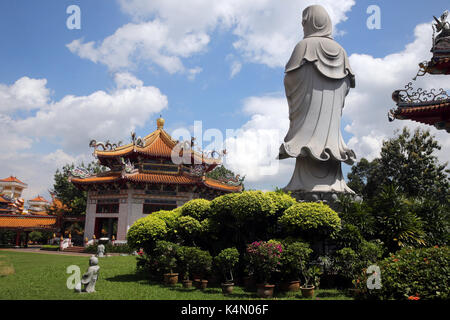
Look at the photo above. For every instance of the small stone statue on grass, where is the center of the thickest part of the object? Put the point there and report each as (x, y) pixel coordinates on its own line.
(89, 278)
(100, 250)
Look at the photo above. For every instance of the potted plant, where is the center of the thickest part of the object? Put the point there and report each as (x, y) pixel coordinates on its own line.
(226, 261)
(264, 260)
(294, 256)
(186, 259)
(165, 254)
(312, 279)
(201, 266)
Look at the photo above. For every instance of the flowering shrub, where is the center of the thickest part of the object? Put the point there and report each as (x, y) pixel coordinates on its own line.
(264, 259)
(412, 274)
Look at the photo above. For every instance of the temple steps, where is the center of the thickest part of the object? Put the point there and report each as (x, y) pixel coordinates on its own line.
(74, 249)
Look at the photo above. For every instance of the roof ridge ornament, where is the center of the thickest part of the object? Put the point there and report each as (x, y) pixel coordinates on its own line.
(408, 95)
(107, 146)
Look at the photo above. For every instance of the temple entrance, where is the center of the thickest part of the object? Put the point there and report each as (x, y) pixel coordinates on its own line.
(105, 228)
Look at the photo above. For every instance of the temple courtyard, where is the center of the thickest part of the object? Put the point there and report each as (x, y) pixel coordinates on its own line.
(43, 276)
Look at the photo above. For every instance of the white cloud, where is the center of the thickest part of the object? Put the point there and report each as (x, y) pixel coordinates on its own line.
(151, 42)
(253, 148)
(376, 78)
(163, 32)
(24, 94)
(126, 80)
(69, 124)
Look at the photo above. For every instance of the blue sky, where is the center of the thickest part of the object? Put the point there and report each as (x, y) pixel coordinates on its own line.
(36, 45)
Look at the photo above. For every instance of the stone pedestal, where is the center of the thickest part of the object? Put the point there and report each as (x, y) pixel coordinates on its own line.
(329, 198)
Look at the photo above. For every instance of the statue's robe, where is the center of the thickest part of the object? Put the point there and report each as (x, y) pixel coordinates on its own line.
(317, 79)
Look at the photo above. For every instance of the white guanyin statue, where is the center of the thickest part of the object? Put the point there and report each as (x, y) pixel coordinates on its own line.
(317, 79)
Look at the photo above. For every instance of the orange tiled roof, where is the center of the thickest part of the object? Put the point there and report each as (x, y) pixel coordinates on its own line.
(161, 178)
(423, 108)
(12, 179)
(111, 177)
(24, 221)
(212, 183)
(38, 199)
(3, 200)
(157, 144)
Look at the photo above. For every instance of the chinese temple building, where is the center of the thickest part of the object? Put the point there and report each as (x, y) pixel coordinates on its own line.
(428, 107)
(12, 187)
(14, 217)
(143, 178)
(38, 206)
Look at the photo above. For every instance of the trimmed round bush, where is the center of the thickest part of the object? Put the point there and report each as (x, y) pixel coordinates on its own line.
(197, 208)
(310, 217)
(281, 201)
(189, 226)
(146, 231)
(223, 205)
(252, 204)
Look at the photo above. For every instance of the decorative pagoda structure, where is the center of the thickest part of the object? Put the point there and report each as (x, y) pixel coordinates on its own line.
(428, 107)
(13, 216)
(38, 206)
(145, 176)
(12, 187)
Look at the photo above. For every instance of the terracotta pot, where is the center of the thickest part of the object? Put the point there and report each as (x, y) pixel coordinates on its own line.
(227, 288)
(187, 283)
(265, 290)
(172, 278)
(292, 286)
(203, 284)
(307, 292)
(197, 283)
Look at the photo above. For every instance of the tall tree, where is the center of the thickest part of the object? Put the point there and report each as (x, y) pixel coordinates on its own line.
(408, 170)
(73, 198)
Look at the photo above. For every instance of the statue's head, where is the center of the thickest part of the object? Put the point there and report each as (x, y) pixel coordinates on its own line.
(316, 22)
(93, 261)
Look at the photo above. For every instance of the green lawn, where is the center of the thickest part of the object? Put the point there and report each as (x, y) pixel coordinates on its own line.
(43, 276)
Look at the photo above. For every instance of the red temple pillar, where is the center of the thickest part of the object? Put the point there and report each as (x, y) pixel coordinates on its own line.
(18, 238)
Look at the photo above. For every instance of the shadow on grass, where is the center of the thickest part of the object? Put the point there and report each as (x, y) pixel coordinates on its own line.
(322, 294)
(126, 278)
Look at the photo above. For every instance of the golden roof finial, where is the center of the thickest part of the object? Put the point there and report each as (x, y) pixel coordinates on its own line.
(160, 122)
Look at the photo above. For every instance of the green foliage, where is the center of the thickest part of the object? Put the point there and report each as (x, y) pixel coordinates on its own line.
(187, 260)
(145, 232)
(310, 217)
(294, 258)
(189, 228)
(171, 220)
(349, 263)
(420, 273)
(226, 261)
(406, 191)
(197, 208)
(165, 255)
(222, 173)
(397, 225)
(349, 236)
(71, 196)
(281, 201)
(202, 262)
